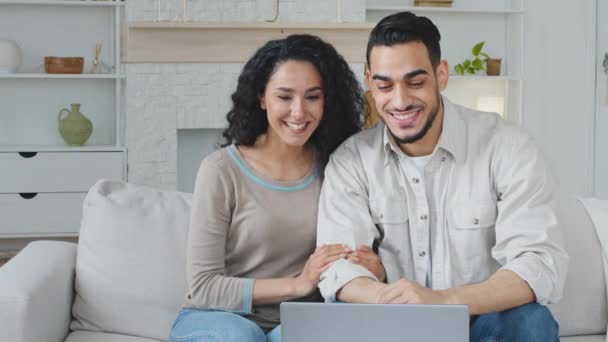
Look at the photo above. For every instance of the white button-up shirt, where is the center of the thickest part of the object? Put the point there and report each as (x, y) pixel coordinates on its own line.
(484, 203)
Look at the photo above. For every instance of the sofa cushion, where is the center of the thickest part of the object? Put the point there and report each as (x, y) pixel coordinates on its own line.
(130, 268)
(89, 336)
(583, 308)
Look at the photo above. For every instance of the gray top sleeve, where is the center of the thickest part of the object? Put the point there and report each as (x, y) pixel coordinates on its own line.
(208, 285)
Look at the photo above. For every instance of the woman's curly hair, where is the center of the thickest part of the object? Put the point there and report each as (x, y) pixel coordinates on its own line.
(343, 96)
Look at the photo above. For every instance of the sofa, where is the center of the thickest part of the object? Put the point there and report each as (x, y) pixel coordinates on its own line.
(125, 279)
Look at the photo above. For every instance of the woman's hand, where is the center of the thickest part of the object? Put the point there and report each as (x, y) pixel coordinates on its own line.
(366, 257)
(317, 263)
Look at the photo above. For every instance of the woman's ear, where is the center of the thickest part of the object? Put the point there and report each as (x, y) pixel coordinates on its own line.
(262, 103)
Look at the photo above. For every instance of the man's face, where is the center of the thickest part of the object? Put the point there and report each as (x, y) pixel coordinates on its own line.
(406, 89)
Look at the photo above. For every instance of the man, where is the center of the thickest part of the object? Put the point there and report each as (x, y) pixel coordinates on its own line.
(457, 203)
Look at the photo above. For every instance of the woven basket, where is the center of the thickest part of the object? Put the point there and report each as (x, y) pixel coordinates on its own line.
(63, 65)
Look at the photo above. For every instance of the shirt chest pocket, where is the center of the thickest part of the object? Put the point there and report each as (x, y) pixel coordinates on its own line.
(473, 215)
(390, 217)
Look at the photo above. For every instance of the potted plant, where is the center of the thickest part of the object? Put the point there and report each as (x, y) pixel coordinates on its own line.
(476, 62)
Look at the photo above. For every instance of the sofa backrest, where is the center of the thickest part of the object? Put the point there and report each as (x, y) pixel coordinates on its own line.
(131, 263)
(583, 308)
(130, 269)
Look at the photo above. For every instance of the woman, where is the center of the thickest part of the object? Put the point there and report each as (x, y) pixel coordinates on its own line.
(253, 228)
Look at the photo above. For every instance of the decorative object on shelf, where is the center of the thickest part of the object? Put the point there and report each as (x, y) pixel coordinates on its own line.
(63, 65)
(75, 128)
(10, 56)
(493, 66)
(95, 68)
(433, 3)
(476, 63)
(276, 12)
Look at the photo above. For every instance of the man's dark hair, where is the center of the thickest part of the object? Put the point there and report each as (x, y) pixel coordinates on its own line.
(405, 27)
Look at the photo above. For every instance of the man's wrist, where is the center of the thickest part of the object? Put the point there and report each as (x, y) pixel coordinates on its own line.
(450, 296)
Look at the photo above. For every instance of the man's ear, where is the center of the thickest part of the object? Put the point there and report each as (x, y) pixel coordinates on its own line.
(443, 72)
(368, 79)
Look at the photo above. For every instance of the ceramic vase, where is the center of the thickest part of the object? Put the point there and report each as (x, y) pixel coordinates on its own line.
(74, 127)
(10, 56)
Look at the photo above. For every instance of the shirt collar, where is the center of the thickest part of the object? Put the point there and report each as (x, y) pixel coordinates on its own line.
(453, 134)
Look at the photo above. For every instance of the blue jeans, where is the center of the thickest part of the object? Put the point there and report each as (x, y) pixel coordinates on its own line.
(218, 326)
(530, 322)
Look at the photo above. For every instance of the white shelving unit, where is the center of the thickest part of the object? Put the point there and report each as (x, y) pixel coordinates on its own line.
(91, 3)
(46, 180)
(499, 23)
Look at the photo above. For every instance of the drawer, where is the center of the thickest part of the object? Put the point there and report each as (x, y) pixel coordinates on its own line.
(57, 171)
(42, 214)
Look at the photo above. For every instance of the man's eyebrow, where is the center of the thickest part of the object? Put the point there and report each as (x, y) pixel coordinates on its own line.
(407, 76)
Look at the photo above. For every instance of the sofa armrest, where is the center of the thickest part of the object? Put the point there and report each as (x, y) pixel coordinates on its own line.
(36, 292)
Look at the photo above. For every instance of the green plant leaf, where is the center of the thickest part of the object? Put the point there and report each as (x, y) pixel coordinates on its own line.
(458, 69)
(484, 55)
(477, 64)
(471, 70)
(466, 64)
(477, 48)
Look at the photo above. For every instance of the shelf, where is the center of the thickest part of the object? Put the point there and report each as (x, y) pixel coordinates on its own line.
(47, 148)
(247, 25)
(206, 42)
(484, 77)
(443, 10)
(85, 3)
(77, 76)
(38, 235)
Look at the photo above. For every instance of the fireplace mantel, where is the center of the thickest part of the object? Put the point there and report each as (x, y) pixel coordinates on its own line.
(200, 42)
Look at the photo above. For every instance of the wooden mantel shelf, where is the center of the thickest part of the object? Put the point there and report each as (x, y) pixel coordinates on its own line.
(203, 42)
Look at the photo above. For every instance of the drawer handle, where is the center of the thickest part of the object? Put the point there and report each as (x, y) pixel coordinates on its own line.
(28, 195)
(28, 154)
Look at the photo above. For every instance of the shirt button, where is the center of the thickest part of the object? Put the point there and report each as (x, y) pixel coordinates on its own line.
(476, 221)
(443, 159)
(423, 253)
(416, 180)
(423, 217)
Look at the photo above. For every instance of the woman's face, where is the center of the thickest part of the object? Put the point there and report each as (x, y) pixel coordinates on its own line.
(293, 100)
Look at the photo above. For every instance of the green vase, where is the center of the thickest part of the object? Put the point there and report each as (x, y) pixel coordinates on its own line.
(74, 127)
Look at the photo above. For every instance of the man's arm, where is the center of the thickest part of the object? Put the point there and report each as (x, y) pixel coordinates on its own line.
(502, 291)
(528, 235)
(361, 290)
(344, 218)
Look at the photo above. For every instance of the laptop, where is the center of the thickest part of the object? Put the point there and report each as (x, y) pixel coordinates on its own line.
(342, 322)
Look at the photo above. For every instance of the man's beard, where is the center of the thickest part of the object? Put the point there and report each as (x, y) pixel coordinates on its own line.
(427, 126)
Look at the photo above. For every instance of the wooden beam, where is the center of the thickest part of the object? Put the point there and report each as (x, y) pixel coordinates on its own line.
(192, 42)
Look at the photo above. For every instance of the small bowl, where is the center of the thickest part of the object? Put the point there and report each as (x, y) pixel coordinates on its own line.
(63, 65)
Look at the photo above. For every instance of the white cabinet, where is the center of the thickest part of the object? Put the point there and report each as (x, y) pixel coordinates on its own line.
(499, 23)
(44, 180)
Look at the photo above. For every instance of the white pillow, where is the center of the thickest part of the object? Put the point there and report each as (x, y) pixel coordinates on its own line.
(131, 263)
(598, 211)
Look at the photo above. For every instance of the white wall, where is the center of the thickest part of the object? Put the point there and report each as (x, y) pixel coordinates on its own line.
(559, 93)
(559, 89)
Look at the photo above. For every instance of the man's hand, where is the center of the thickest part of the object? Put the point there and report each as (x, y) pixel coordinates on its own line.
(406, 291)
(366, 257)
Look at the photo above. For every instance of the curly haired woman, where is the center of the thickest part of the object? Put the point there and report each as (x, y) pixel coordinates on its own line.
(252, 241)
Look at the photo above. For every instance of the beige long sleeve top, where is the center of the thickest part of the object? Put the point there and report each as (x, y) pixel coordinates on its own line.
(243, 227)
(483, 203)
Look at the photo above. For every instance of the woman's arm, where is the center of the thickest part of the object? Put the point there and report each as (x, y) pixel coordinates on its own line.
(266, 291)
